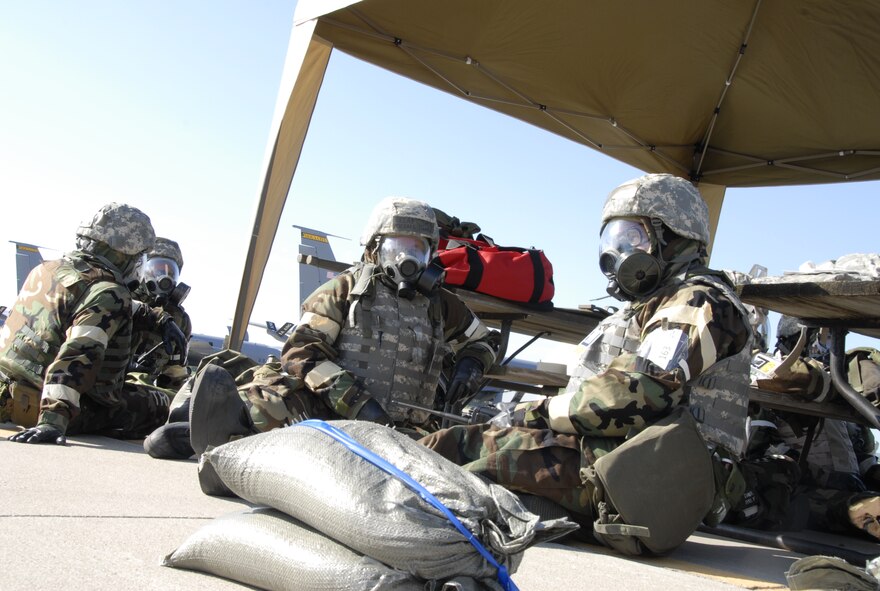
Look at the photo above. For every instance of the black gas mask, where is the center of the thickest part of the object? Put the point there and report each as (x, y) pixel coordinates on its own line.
(159, 277)
(404, 259)
(626, 260)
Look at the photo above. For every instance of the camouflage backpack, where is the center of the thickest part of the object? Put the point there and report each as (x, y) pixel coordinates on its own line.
(863, 372)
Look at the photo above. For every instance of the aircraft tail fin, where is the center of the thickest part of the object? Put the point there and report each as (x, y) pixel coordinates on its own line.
(272, 330)
(314, 243)
(285, 328)
(27, 256)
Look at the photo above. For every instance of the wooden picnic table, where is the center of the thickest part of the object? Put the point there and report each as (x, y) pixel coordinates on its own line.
(840, 305)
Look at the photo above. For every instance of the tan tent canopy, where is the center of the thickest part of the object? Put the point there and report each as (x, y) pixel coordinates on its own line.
(745, 93)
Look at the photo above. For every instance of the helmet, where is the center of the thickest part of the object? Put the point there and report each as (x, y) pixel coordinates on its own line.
(167, 248)
(788, 326)
(402, 217)
(816, 345)
(631, 236)
(671, 199)
(123, 228)
(409, 238)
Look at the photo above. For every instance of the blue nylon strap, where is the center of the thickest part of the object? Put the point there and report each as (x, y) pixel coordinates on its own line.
(345, 439)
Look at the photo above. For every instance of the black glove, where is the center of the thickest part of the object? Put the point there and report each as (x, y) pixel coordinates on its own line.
(40, 434)
(372, 411)
(466, 378)
(173, 338)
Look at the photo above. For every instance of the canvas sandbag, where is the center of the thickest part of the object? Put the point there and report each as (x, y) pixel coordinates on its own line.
(308, 475)
(267, 549)
(654, 489)
(828, 572)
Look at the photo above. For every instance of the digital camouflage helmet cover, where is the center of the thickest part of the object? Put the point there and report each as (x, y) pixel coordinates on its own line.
(402, 217)
(673, 200)
(123, 228)
(167, 248)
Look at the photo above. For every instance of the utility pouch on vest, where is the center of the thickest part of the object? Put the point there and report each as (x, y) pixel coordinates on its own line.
(863, 372)
(653, 490)
(730, 486)
(25, 404)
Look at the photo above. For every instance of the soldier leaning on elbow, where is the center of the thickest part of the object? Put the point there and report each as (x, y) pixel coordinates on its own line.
(65, 347)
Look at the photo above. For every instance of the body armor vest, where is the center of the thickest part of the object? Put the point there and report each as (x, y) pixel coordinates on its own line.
(718, 398)
(37, 326)
(393, 345)
(831, 453)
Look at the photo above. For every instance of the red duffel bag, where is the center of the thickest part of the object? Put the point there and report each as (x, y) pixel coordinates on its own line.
(511, 273)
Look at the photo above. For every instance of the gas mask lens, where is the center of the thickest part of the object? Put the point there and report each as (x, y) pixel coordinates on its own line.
(404, 257)
(160, 275)
(620, 237)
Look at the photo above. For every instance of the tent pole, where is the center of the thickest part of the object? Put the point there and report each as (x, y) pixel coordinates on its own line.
(713, 195)
(304, 68)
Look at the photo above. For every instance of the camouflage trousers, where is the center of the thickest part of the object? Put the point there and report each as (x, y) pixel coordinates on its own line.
(274, 399)
(142, 408)
(536, 461)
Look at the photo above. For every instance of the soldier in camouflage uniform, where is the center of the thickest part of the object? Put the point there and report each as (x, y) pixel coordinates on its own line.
(65, 347)
(160, 287)
(829, 490)
(369, 346)
(682, 339)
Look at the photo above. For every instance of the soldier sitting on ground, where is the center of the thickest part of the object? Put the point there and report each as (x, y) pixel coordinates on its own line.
(804, 471)
(659, 387)
(154, 368)
(65, 348)
(369, 346)
(160, 287)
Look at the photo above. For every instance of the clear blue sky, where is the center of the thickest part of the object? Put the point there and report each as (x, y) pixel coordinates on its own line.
(166, 105)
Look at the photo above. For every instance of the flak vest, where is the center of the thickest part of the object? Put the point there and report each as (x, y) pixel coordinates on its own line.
(30, 351)
(717, 398)
(831, 451)
(393, 345)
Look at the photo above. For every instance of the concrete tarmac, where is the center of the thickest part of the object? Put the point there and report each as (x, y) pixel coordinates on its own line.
(100, 514)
